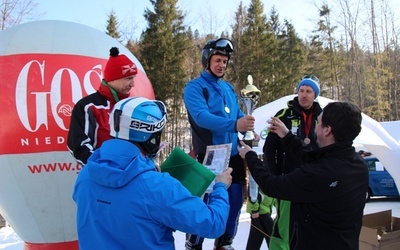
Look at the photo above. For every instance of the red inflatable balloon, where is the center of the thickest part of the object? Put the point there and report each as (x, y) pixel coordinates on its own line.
(45, 68)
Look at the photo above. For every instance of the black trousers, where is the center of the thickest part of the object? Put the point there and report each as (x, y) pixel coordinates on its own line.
(260, 229)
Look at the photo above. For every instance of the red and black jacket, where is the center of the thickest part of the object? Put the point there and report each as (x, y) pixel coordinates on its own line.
(89, 126)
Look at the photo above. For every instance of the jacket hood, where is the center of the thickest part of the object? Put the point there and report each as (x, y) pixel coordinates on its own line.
(116, 163)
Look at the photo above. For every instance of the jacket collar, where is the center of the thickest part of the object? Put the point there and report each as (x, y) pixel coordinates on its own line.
(105, 90)
(209, 77)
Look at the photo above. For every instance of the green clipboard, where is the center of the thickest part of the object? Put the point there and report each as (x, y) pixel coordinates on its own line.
(193, 175)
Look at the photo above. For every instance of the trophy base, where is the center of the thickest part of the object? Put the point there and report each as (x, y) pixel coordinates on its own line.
(248, 142)
(251, 143)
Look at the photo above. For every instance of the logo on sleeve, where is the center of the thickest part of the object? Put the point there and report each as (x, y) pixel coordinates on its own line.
(333, 184)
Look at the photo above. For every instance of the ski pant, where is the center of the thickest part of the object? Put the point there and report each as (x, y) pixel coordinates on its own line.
(236, 199)
(260, 229)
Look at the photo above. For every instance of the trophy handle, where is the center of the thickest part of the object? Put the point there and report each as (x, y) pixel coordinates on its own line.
(250, 79)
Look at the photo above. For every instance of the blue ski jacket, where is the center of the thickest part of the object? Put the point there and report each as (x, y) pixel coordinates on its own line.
(213, 109)
(123, 202)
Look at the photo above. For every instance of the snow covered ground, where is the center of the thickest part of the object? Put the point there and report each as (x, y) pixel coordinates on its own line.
(9, 240)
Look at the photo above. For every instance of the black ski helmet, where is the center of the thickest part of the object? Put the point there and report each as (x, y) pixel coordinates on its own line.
(221, 46)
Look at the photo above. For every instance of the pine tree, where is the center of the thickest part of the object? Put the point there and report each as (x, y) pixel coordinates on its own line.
(112, 26)
(193, 64)
(290, 64)
(324, 55)
(257, 43)
(163, 48)
(236, 64)
(287, 56)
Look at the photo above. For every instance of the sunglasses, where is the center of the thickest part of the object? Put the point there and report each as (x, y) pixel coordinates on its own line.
(221, 44)
(312, 77)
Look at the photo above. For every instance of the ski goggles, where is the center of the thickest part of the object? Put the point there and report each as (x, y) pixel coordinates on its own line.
(312, 77)
(221, 44)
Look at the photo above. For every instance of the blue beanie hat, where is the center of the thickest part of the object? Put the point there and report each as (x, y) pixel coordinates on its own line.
(309, 82)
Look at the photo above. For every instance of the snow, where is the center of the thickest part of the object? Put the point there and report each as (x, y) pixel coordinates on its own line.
(9, 240)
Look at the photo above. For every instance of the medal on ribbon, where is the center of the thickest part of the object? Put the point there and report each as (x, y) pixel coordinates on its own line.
(307, 126)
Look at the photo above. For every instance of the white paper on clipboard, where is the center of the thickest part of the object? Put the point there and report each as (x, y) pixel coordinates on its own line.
(216, 159)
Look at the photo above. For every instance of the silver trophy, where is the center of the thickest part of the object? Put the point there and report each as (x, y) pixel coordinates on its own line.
(249, 96)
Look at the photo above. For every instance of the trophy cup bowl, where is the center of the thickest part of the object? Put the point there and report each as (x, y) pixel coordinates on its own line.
(249, 96)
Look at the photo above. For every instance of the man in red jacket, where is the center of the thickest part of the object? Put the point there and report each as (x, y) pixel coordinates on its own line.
(89, 126)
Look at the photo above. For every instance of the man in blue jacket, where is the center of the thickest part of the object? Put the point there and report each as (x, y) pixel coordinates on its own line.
(215, 118)
(123, 202)
(328, 190)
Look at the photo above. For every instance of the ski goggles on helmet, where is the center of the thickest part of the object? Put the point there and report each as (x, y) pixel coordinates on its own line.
(220, 44)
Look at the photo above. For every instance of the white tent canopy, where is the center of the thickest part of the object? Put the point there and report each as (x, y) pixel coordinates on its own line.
(373, 136)
(392, 128)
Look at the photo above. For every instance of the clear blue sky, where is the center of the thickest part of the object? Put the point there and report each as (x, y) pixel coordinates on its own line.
(208, 16)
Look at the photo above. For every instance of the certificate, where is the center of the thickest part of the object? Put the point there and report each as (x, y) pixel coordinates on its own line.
(216, 160)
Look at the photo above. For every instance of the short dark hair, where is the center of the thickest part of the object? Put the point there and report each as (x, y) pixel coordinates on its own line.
(344, 118)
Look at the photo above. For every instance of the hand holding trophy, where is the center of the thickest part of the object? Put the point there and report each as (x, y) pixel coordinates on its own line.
(249, 96)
